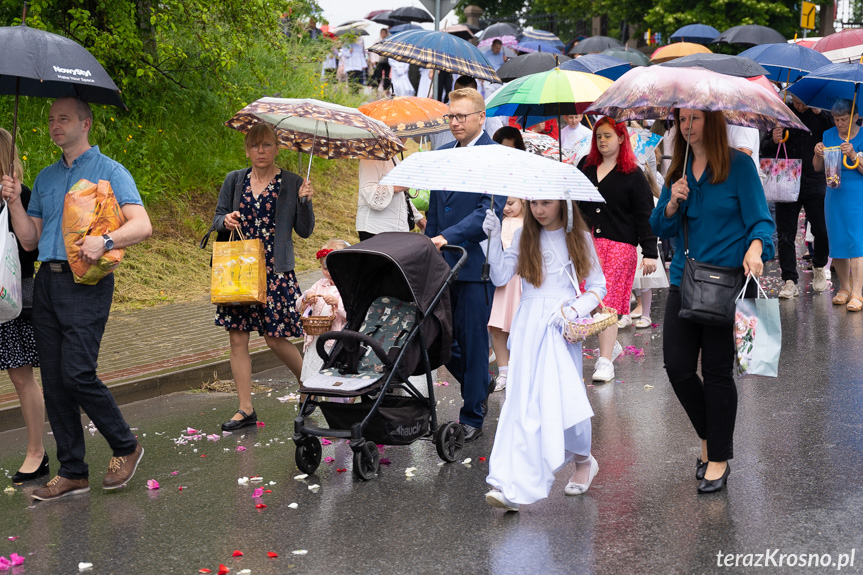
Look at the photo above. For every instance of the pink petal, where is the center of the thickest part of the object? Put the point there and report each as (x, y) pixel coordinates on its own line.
(175, 473)
(213, 437)
(329, 459)
(326, 441)
(4, 564)
(16, 559)
(152, 484)
(240, 448)
(261, 424)
(191, 431)
(258, 492)
(13, 538)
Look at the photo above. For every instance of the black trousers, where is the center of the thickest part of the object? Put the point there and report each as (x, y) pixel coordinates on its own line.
(68, 323)
(786, 227)
(711, 403)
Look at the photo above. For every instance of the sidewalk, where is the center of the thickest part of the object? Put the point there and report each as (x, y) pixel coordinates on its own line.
(154, 351)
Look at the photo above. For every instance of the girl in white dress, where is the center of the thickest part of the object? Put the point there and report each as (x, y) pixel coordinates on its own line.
(545, 419)
(399, 76)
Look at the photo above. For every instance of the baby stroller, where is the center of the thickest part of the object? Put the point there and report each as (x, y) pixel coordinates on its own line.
(395, 289)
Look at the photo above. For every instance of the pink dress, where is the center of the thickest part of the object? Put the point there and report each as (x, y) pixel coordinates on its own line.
(311, 360)
(507, 297)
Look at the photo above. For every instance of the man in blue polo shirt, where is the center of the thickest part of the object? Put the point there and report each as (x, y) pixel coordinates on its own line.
(69, 318)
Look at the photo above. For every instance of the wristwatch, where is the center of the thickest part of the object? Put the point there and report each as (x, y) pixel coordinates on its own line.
(108, 243)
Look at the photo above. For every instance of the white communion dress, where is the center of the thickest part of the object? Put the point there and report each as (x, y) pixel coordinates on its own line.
(545, 419)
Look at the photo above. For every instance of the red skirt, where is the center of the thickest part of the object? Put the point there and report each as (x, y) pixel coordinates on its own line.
(618, 261)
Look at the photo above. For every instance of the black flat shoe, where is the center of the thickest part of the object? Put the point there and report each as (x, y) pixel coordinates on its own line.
(235, 424)
(700, 469)
(715, 485)
(42, 470)
(471, 433)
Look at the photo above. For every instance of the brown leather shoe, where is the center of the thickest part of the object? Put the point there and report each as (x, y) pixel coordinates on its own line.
(121, 469)
(61, 487)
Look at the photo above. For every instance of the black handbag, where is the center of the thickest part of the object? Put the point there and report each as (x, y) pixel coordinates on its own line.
(707, 291)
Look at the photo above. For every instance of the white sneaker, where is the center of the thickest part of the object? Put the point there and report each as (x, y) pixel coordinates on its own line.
(789, 290)
(496, 499)
(500, 382)
(604, 370)
(819, 279)
(618, 349)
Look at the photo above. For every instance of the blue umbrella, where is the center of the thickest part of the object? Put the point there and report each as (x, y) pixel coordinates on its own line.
(786, 62)
(599, 64)
(537, 46)
(541, 36)
(697, 33)
(405, 28)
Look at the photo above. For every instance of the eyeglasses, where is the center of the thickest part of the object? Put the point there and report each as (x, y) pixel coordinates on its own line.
(266, 146)
(460, 118)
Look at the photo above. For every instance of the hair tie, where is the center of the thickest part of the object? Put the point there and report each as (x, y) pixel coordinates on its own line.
(322, 253)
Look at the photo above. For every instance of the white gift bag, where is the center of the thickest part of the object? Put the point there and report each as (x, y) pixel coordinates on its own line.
(10, 271)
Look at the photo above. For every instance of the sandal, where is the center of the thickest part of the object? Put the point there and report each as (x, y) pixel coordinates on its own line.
(841, 297)
(855, 304)
(644, 322)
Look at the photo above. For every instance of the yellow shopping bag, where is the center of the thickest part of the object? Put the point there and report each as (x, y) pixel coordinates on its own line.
(239, 272)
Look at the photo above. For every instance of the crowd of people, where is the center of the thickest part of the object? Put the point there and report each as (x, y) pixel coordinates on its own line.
(551, 262)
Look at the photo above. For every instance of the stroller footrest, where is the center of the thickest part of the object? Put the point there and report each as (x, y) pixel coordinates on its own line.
(324, 432)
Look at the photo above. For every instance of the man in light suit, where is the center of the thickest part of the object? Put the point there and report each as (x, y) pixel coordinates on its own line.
(456, 218)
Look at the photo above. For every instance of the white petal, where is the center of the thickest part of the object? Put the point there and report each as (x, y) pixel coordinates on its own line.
(293, 505)
(300, 552)
(301, 476)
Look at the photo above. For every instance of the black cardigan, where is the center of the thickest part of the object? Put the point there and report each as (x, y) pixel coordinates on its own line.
(625, 215)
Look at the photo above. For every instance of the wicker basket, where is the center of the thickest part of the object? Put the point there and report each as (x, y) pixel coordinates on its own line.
(578, 331)
(317, 324)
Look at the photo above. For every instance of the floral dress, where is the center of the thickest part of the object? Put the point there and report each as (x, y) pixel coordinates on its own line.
(279, 317)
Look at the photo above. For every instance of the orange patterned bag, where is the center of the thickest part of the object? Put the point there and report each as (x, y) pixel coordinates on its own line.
(91, 210)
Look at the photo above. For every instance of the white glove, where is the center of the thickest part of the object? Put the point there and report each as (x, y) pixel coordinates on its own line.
(556, 319)
(581, 306)
(491, 224)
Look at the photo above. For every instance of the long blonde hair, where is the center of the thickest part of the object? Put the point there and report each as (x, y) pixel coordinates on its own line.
(6, 150)
(530, 256)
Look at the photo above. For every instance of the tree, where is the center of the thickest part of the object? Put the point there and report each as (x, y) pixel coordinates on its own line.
(666, 16)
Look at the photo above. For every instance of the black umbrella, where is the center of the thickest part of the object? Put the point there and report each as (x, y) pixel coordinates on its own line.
(527, 64)
(501, 29)
(750, 35)
(411, 14)
(740, 66)
(38, 63)
(385, 19)
(595, 45)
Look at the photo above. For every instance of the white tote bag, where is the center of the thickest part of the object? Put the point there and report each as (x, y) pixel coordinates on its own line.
(10, 271)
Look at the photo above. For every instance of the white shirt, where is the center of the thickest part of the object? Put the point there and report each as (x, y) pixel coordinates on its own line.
(379, 208)
(749, 138)
(354, 57)
(570, 136)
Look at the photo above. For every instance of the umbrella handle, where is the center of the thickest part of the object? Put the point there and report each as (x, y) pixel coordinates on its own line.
(845, 163)
(785, 139)
(485, 275)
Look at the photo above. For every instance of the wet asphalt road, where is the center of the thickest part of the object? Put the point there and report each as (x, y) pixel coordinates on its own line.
(794, 485)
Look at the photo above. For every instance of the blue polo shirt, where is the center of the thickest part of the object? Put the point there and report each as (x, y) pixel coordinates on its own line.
(52, 183)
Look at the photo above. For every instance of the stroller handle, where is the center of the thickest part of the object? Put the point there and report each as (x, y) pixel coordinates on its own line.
(350, 337)
(462, 259)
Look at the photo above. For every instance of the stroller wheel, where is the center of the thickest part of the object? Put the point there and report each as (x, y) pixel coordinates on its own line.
(449, 441)
(367, 460)
(308, 455)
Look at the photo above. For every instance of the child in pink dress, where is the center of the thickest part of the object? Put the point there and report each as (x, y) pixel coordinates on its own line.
(322, 299)
(506, 297)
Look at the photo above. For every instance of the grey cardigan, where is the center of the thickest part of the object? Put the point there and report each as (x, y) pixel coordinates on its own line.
(291, 215)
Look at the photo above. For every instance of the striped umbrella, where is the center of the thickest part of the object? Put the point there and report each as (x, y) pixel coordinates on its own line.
(541, 36)
(409, 115)
(320, 128)
(532, 46)
(677, 50)
(437, 51)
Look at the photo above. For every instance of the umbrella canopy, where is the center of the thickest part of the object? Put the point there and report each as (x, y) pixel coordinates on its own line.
(38, 63)
(677, 50)
(599, 64)
(411, 14)
(547, 147)
(786, 62)
(531, 46)
(595, 45)
(823, 86)
(750, 35)
(547, 95)
(409, 115)
(634, 57)
(698, 33)
(320, 128)
(845, 46)
(541, 36)
(437, 51)
(644, 93)
(501, 29)
(375, 13)
(507, 41)
(383, 17)
(460, 30)
(527, 64)
(351, 31)
(404, 27)
(739, 66)
(493, 170)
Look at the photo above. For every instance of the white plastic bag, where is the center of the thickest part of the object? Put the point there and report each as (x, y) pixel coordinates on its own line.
(10, 271)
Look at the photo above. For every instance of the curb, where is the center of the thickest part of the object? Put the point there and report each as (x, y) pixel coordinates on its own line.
(156, 385)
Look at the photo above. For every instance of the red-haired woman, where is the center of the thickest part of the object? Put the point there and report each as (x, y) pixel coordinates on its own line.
(618, 225)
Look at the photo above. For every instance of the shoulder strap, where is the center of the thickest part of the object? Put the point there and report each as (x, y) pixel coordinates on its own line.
(205, 240)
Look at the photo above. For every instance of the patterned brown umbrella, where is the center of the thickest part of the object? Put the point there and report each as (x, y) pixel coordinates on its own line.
(320, 128)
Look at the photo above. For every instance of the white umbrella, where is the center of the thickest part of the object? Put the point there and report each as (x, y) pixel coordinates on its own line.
(493, 170)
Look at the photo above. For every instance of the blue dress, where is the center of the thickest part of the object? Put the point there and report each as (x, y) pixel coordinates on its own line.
(843, 206)
(279, 317)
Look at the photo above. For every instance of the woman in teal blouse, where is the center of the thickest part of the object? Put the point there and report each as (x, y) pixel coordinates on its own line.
(729, 225)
